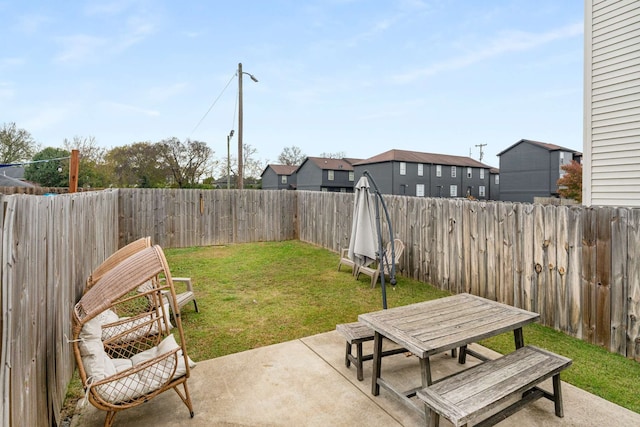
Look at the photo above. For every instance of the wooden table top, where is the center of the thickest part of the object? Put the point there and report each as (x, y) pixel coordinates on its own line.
(431, 327)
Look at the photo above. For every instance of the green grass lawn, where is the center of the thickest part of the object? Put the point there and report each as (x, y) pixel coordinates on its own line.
(252, 295)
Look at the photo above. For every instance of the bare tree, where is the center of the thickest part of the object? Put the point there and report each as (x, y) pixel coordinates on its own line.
(188, 161)
(87, 146)
(292, 156)
(92, 169)
(16, 145)
(337, 155)
(253, 166)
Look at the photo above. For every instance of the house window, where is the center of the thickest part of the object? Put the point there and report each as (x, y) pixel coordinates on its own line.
(420, 169)
(420, 190)
(481, 192)
(351, 176)
(481, 173)
(284, 179)
(438, 170)
(469, 173)
(324, 189)
(453, 171)
(497, 179)
(453, 190)
(403, 168)
(330, 175)
(343, 190)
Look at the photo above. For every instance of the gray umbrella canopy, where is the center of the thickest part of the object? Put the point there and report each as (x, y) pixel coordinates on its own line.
(363, 245)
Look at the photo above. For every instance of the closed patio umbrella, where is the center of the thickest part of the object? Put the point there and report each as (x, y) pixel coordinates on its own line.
(365, 245)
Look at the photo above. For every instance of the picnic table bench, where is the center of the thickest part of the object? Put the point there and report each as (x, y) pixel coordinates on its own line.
(467, 395)
(357, 333)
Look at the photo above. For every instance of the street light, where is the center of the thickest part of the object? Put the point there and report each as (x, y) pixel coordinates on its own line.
(229, 160)
(240, 160)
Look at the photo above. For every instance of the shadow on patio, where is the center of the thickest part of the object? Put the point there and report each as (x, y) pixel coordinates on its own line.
(305, 383)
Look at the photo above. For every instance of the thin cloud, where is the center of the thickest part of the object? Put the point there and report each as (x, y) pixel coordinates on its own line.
(31, 24)
(80, 47)
(131, 108)
(165, 92)
(107, 8)
(11, 62)
(516, 41)
(83, 47)
(48, 117)
(6, 91)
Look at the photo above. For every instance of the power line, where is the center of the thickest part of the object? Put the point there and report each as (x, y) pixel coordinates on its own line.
(214, 103)
(8, 165)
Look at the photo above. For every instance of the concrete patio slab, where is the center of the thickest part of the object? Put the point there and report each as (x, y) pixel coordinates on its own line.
(306, 383)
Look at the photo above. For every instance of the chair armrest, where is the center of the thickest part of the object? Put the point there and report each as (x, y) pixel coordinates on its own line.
(186, 281)
(344, 253)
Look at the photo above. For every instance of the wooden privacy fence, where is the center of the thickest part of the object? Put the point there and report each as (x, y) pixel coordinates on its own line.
(182, 218)
(578, 267)
(49, 246)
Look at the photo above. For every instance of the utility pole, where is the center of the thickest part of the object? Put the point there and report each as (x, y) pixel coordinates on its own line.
(481, 153)
(240, 159)
(229, 160)
(240, 184)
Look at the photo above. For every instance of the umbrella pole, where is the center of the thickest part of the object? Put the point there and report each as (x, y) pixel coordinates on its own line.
(392, 274)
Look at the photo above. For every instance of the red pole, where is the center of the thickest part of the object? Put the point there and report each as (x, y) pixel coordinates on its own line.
(73, 171)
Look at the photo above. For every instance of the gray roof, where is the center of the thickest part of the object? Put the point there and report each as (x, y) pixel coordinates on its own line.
(548, 147)
(283, 169)
(330, 164)
(12, 171)
(419, 157)
(7, 181)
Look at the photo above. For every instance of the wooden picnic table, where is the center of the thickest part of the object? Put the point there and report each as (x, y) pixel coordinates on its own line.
(432, 327)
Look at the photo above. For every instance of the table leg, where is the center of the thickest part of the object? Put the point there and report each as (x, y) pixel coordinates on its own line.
(518, 337)
(377, 362)
(425, 370)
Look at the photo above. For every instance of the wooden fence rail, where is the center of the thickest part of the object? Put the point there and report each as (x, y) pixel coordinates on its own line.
(578, 267)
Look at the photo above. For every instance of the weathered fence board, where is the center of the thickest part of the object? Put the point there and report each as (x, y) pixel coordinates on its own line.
(633, 280)
(618, 321)
(559, 301)
(528, 263)
(603, 277)
(573, 276)
(589, 229)
(483, 254)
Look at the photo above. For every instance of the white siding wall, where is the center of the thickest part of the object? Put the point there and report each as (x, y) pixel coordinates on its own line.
(612, 103)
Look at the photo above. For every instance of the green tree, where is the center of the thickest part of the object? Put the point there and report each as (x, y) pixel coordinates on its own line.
(16, 145)
(188, 161)
(138, 165)
(570, 184)
(51, 173)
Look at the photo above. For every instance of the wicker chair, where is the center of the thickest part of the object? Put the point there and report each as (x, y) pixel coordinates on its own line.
(116, 258)
(121, 341)
(183, 298)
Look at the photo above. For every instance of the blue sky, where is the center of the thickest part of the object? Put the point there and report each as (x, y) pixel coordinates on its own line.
(354, 76)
